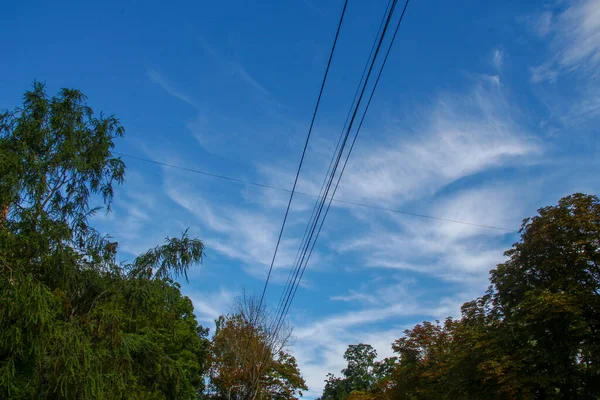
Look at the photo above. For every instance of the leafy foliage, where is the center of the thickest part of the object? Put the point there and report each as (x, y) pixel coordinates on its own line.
(362, 374)
(335, 388)
(75, 324)
(248, 354)
(359, 372)
(533, 335)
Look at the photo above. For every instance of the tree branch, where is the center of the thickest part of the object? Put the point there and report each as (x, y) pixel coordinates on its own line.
(55, 189)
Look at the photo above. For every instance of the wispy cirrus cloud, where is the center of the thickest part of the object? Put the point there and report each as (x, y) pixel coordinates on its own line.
(170, 87)
(320, 344)
(568, 80)
(382, 294)
(498, 59)
(445, 250)
(574, 34)
(237, 69)
(249, 79)
(208, 306)
(215, 127)
(264, 96)
(130, 221)
(459, 136)
(247, 234)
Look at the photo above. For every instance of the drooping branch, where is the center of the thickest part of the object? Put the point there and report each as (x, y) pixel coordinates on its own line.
(174, 257)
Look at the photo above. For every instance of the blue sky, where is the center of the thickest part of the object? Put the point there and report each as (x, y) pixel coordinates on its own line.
(486, 111)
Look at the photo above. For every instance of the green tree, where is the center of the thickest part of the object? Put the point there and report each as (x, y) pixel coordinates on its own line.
(548, 296)
(533, 335)
(361, 395)
(359, 371)
(482, 366)
(360, 374)
(335, 388)
(75, 324)
(424, 359)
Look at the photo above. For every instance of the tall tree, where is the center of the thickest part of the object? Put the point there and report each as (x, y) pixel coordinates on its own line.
(548, 295)
(335, 388)
(424, 354)
(533, 335)
(362, 372)
(359, 371)
(75, 324)
(251, 356)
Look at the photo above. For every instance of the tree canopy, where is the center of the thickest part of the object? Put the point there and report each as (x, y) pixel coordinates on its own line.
(74, 322)
(250, 355)
(533, 335)
(362, 375)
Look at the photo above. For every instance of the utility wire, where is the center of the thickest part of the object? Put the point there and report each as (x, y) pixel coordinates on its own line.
(353, 141)
(321, 200)
(307, 229)
(299, 270)
(257, 184)
(312, 122)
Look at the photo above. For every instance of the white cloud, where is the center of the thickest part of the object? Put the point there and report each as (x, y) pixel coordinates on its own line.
(543, 23)
(282, 176)
(568, 81)
(574, 41)
(216, 130)
(248, 234)
(460, 135)
(446, 250)
(246, 77)
(209, 306)
(492, 205)
(170, 88)
(498, 59)
(320, 344)
(264, 96)
(134, 210)
(380, 294)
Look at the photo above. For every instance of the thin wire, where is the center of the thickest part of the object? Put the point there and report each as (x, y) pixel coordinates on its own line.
(196, 171)
(347, 156)
(322, 200)
(287, 286)
(312, 122)
(300, 270)
(353, 141)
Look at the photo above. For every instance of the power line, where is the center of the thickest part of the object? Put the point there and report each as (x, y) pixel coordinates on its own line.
(353, 143)
(337, 33)
(353, 203)
(322, 200)
(312, 122)
(307, 249)
(197, 171)
(323, 185)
